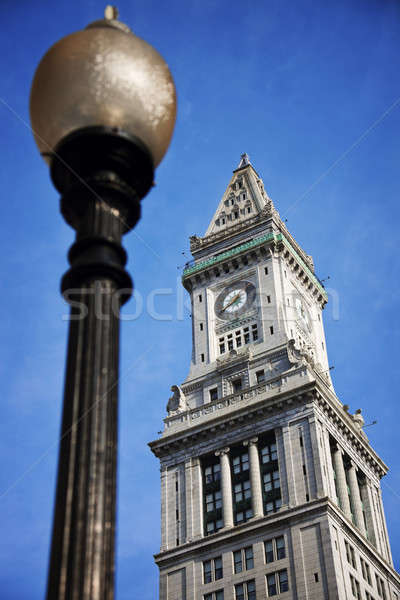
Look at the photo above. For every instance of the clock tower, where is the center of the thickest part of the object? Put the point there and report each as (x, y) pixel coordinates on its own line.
(269, 486)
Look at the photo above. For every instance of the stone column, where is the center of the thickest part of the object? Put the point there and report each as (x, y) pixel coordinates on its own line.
(226, 487)
(189, 499)
(255, 478)
(291, 483)
(356, 499)
(337, 454)
(372, 530)
(164, 511)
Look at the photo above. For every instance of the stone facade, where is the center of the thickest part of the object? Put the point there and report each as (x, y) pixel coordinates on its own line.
(269, 486)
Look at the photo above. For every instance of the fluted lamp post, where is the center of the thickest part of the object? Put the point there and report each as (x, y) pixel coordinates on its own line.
(103, 111)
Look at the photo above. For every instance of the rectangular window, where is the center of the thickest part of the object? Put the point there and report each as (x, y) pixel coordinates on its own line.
(269, 453)
(202, 358)
(243, 559)
(218, 574)
(271, 585)
(207, 571)
(247, 338)
(230, 345)
(213, 526)
(269, 551)
(265, 270)
(245, 591)
(380, 586)
(249, 560)
(269, 299)
(213, 394)
(213, 501)
(213, 473)
(277, 583)
(221, 348)
(280, 548)
(355, 588)
(351, 557)
(237, 561)
(214, 596)
(366, 573)
(272, 506)
(212, 498)
(255, 333)
(260, 376)
(239, 592)
(271, 481)
(200, 298)
(241, 491)
(201, 326)
(238, 342)
(240, 463)
(236, 385)
(243, 515)
(283, 581)
(271, 330)
(275, 549)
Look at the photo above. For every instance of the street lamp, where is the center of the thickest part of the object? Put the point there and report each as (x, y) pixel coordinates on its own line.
(103, 111)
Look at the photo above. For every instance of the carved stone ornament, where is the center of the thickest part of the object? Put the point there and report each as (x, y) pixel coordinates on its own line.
(195, 242)
(177, 402)
(299, 355)
(235, 356)
(358, 418)
(295, 355)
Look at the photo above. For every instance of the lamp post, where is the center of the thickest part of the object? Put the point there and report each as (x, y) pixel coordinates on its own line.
(103, 112)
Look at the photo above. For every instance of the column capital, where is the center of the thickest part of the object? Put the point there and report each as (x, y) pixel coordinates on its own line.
(251, 442)
(222, 451)
(352, 464)
(337, 448)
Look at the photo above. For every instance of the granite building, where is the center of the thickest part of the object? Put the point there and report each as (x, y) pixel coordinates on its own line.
(269, 486)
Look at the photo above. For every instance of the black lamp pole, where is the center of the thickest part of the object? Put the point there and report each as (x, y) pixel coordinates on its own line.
(103, 110)
(102, 176)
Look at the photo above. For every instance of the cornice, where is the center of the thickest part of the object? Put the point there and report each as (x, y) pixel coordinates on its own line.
(278, 241)
(311, 391)
(200, 243)
(214, 260)
(206, 429)
(282, 518)
(342, 421)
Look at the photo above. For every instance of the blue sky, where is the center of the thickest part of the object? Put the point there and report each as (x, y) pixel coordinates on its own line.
(309, 90)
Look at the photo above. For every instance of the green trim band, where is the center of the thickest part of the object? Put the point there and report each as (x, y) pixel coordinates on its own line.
(256, 242)
(228, 254)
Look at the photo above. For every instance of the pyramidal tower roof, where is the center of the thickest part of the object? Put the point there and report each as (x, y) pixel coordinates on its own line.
(244, 198)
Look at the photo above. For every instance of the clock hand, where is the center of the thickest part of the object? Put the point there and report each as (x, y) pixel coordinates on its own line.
(231, 302)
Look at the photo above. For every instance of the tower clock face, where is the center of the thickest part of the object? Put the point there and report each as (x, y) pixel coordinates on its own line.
(235, 299)
(303, 314)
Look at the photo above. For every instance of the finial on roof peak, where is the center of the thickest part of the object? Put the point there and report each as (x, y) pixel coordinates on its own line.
(244, 160)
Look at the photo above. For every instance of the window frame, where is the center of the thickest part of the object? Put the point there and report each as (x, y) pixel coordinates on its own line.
(274, 549)
(246, 594)
(275, 584)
